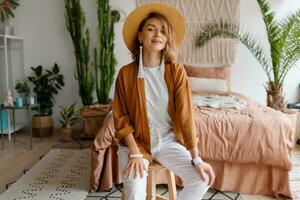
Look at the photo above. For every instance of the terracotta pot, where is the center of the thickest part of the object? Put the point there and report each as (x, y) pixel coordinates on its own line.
(66, 134)
(93, 117)
(42, 126)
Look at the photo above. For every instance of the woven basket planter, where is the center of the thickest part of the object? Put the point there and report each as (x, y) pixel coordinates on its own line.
(93, 117)
(42, 126)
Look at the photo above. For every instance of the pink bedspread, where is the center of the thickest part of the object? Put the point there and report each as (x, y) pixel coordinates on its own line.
(253, 134)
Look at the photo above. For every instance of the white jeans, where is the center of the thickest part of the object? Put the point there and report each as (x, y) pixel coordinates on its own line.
(173, 156)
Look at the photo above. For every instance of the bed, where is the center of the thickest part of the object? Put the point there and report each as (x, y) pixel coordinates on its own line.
(247, 144)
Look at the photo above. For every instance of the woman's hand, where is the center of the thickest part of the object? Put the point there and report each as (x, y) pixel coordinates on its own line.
(203, 168)
(135, 168)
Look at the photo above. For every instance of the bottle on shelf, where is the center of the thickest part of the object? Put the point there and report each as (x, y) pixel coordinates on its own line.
(32, 97)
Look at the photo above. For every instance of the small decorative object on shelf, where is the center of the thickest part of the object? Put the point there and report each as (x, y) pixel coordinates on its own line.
(19, 102)
(9, 101)
(32, 97)
(3, 121)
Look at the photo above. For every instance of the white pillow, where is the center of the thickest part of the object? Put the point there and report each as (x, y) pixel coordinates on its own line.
(209, 79)
(208, 84)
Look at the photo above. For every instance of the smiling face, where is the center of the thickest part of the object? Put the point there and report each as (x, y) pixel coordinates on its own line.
(156, 35)
(153, 35)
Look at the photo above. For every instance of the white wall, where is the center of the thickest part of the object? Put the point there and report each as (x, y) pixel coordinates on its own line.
(42, 25)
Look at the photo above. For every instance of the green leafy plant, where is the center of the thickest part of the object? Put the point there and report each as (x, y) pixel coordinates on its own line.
(6, 9)
(69, 116)
(104, 60)
(284, 48)
(22, 87)
(46, 83)
(75, 22)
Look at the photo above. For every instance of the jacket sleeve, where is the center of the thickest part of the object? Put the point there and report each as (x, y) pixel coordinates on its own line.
(184, 110)
(122, 121)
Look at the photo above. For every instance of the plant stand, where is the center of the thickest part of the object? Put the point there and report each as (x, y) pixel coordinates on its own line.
(29, 108)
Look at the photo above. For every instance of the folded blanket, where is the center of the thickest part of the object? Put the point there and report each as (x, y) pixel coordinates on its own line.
(219, 101)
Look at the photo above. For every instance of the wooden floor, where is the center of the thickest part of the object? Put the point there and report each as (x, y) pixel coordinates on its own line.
(16, 156)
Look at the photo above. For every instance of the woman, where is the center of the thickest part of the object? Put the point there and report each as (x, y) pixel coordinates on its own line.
(153, 111)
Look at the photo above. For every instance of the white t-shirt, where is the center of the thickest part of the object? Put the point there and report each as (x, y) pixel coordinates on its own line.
(159, 121)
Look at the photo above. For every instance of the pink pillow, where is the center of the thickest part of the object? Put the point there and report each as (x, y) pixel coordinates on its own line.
(209, 79)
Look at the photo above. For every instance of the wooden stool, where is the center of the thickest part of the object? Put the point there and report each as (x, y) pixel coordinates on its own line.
(155, 167)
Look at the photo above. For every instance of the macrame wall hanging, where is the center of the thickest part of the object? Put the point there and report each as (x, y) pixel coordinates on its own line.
(198, 13)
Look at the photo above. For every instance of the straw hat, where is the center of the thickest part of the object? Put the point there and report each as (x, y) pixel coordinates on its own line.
(133, 20)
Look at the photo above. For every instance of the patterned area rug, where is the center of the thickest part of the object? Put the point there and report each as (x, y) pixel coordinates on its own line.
(212, 194)
(63, 174)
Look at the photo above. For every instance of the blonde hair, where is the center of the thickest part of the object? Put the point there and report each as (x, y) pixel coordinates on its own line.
(170, 50)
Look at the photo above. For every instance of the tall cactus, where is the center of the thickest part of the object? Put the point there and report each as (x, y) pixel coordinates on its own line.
(104, 59)
(75, 21)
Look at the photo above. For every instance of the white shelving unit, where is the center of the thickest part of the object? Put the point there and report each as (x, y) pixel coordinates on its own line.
(11, 70)
(10, 130)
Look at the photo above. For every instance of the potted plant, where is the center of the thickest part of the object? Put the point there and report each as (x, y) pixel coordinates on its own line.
(103, 64)
(7, 8)
(46, 83)
(104, 69)
(69, 116)
(23, 90)
(284, 43)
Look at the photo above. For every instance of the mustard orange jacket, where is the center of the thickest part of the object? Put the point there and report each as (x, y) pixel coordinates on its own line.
(129, 107)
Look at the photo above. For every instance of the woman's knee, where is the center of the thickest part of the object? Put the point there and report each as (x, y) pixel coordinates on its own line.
(135, 189)
(194, 177)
